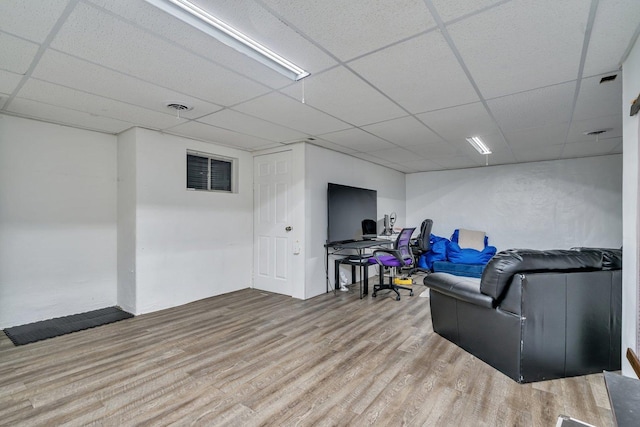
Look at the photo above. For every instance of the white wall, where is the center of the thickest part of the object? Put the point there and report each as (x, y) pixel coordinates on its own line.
(631, 139)
(324, 166)
(544, 205)
(127, 220)
(189, 244)
(57, 221)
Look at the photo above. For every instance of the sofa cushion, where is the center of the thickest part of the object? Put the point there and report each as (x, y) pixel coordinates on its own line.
(501, 268)
(461, 288)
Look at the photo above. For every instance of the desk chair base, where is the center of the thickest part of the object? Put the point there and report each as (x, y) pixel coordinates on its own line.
(391, 286)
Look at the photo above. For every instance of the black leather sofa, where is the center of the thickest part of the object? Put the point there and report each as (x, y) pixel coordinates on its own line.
(536, 315)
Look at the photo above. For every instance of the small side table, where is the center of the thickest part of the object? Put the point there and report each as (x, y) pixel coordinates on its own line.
(355, 261)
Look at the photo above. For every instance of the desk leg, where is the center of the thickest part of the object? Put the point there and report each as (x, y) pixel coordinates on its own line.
(337, 273)
(366, 281)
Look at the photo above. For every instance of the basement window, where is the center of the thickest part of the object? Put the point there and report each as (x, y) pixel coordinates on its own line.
(208, 172)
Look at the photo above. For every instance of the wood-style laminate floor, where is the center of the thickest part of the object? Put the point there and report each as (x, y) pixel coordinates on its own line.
(253, 358)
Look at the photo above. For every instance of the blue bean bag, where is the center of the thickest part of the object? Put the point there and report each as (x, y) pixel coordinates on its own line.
(437, 252)
(459, 255)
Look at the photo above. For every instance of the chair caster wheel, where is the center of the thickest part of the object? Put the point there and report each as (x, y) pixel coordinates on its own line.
(398, 298)
(411, 294)
(373, 294)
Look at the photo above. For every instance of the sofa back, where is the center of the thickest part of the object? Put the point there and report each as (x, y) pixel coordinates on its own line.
(505, 264)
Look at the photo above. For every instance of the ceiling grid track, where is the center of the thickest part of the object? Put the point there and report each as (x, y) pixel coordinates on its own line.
(583, 58)
(41, 49)
(463, 65)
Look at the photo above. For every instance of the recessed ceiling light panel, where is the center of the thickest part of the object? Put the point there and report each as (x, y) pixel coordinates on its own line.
(204, 21)
(479, 145)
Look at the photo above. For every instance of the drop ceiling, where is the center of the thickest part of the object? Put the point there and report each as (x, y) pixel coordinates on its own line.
(398, 83)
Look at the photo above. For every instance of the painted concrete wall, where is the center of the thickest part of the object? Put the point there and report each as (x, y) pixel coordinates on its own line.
(57, 221)
(127, 220)
(543, 205)
(189, 244)
(631, 190)
(324, 166)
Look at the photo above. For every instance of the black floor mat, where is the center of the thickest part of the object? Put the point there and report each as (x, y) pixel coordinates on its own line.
(45, 329)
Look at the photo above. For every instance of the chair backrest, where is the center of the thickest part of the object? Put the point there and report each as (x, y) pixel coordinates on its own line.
(403, 241)
(424, 237)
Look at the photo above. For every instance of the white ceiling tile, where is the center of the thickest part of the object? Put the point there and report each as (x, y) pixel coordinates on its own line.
(373, 159)
(48, 93)
(103, 39)
(32, 20)
(405, 131)
(538, 154)
(422, 165)
(113, 64)
(457, 162)
(535, 108)
(242, 123)
(61, 115)
(344, 94)
(395, 154)
(65, 70)
(293, 114)
(606, 47)
(357, 140)
(537, 137)
(404, 167)
(441, 148)
(351, 28)
(16, 54)
(331, 146)
(596, 99)
(591, 148)
(454, 9)
(9, 81)
(4, 97)
(522, 45)
(205, 132)
(394, 71)
(458, 123)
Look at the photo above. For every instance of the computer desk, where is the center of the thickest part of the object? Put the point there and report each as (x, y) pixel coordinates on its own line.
(354, 260)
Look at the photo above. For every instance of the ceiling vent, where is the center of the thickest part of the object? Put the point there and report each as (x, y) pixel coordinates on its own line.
(608, 78)
(178, 107)
(597, 133)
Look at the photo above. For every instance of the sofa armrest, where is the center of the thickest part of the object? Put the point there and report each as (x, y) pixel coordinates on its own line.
(611, 258)
(461, 288)
(504, 265)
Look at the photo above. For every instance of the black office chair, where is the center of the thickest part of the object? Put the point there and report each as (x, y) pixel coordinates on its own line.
(395, 259)
(421, 245)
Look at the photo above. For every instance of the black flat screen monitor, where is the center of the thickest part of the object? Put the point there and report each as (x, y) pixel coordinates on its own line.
(348, 206)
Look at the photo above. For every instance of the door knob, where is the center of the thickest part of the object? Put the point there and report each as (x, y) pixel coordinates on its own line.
(288, 228)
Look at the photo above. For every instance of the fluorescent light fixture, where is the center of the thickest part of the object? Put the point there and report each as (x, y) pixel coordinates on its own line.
(477, 143)
(199, 18)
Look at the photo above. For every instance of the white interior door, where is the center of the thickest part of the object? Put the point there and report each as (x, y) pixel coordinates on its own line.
(272, 222)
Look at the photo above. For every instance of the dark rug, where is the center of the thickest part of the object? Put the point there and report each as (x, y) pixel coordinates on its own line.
(45, 329)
